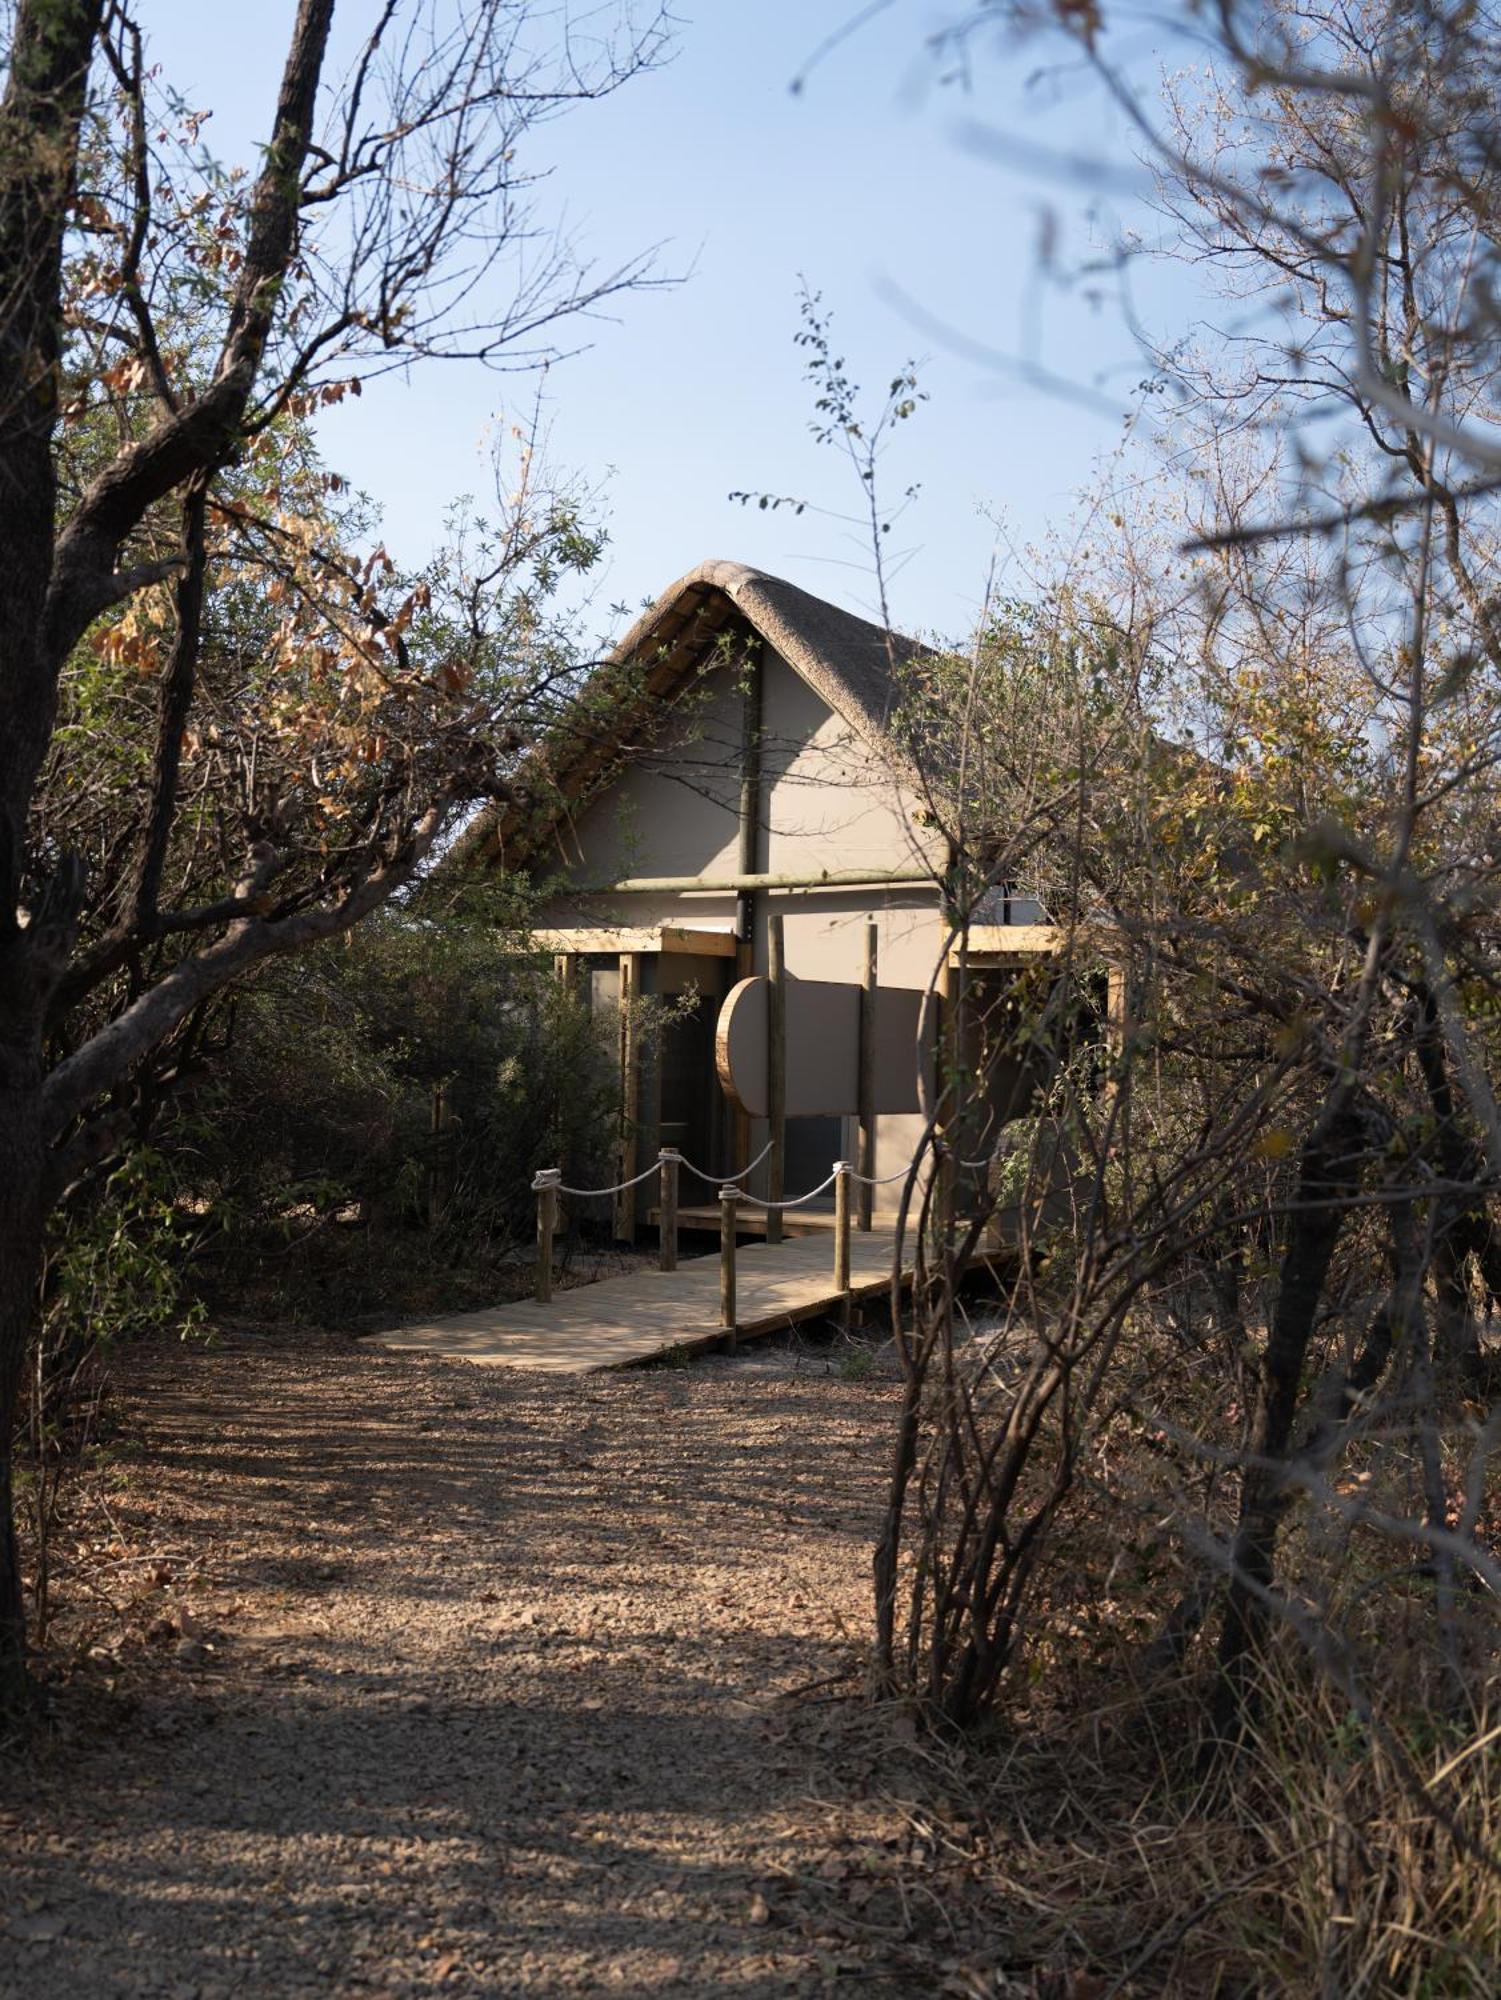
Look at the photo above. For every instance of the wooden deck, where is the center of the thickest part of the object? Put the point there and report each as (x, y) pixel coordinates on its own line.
(641, 1315)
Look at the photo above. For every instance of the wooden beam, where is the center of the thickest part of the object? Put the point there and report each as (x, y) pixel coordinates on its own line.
(667, 1248)
(842, 1243)
(946, 1087)
(727, 1206)
(776, 1070)
(748, 851)
(992, 941)
(748, 829)
(866, 1151)
(547, 1222)
(630, 1095)
(612, 939)
(727, 885)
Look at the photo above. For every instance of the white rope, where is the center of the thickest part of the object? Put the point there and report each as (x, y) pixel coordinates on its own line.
(717, 1180)
(756, 1202)
(552, 1177)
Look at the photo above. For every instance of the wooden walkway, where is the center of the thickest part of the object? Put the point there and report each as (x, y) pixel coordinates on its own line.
(641, 1315)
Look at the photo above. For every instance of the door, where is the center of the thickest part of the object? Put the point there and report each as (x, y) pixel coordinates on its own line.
(691, 1109)
(813, 1145)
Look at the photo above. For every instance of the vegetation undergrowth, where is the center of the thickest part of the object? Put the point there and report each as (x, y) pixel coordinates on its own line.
(1111, 1861)
(365, 1149)
(1346, 1843)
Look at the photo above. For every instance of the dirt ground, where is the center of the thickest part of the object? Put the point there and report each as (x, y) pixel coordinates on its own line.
(406, 1677)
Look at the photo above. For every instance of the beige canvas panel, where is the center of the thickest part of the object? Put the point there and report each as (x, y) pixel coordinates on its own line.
(823, 1048)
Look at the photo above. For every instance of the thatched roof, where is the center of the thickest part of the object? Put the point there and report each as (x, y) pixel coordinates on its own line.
(846, 660)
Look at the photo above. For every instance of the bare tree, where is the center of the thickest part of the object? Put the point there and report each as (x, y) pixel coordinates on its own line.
(315, 719)
(1334, 664)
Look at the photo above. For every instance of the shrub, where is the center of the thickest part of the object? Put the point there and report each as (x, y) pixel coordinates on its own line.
(372, 1137)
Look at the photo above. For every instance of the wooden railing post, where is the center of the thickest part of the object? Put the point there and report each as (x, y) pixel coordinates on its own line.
(729, 1198)
(842, 1239)
(668, 1159)
(545, 1186)
(776, 1071)
(624, 1220)
(866, 1085)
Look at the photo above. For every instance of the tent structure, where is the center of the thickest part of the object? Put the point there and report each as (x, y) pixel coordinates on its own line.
(728, 798)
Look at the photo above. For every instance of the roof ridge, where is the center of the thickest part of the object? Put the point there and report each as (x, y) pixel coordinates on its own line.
(849, 661)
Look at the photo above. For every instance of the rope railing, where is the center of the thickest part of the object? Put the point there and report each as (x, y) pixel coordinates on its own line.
(548, 1184)
(718, 1180)
(553, 1177)
(787, 1201)
(730, 1198)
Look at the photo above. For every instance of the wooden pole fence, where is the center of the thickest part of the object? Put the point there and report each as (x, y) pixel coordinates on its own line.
(669, 1160)
(866, 1090)
(545, 1185)
(630, 1093)
(729, 1200)
(842, 1240)
(776, 1071)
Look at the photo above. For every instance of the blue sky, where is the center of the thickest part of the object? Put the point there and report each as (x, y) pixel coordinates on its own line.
(862, 184)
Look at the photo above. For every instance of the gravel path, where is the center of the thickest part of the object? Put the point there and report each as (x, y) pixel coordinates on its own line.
(430, 1678)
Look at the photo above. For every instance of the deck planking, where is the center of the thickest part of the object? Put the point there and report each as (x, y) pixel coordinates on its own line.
(639, 1316)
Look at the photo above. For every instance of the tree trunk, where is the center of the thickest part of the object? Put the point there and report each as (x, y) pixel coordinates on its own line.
(1327, 1183)
(1463, 1229)
(48, 62)
(23, 1167)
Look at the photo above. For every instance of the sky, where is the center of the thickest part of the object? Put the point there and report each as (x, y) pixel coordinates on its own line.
(862, 185)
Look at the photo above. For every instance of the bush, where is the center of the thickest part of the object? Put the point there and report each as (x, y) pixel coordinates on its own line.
(117, 1252)
(371, 1139)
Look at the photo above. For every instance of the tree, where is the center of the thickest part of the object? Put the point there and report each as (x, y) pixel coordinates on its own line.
(315, 720)
(1336, 168)
(1303, 908)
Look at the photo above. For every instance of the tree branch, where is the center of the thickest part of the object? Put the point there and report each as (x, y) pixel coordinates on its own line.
(203, 435)
(109, 1055)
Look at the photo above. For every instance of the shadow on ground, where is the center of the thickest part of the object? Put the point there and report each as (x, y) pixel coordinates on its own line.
(490, 1684)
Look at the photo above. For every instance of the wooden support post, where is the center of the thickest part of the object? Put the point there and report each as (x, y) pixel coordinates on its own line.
(776, 1071)
(630, 1094)
(866, 1089)
(545, 1185)
(748, 848)
(946, 1092)
(729, 1198)
(669, 1160)
(842, 1239)
(565, 966)
(946, 1058)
